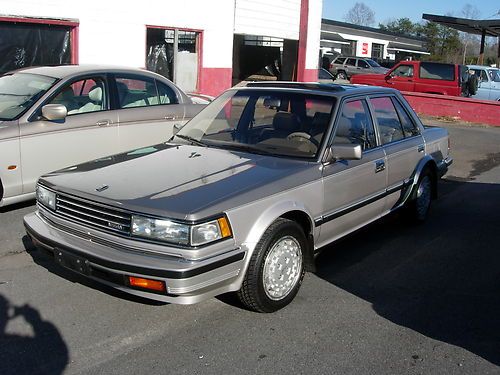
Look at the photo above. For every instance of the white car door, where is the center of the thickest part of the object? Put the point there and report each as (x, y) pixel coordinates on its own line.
(88, 132)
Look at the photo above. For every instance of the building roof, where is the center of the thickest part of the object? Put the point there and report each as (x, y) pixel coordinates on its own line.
(491, 27)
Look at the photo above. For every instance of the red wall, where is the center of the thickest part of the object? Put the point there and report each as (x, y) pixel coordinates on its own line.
(213, 81)
(465, 109)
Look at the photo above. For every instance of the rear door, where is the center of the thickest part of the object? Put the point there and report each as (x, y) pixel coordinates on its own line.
(350, 66)
(354, 190)
(148, 109)
(402, 142)
(88, 132)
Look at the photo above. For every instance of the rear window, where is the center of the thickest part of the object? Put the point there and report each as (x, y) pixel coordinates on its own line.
(445, 72)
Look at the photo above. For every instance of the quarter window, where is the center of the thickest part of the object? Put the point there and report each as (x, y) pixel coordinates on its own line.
(409, 127)
(166, 93)
(354, 125)
(389, 126)
(351, 62)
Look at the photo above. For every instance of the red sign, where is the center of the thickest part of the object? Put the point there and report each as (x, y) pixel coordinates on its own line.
(364, 50)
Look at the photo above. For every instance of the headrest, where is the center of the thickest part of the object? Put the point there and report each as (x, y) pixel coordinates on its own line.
(344, 127)
(96, 95)
(286, 121)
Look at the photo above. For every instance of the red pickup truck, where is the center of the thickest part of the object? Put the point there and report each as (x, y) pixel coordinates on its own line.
(417, 76)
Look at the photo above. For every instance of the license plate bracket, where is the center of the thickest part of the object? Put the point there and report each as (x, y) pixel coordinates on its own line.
(71, 261)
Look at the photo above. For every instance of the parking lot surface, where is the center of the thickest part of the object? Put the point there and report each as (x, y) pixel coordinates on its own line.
(392, 298)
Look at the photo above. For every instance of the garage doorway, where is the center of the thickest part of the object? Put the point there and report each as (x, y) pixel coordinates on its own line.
(261, 58)
(174, 53)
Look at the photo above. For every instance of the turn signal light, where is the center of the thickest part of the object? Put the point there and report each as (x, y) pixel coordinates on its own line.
(225, 229)
(139, 282)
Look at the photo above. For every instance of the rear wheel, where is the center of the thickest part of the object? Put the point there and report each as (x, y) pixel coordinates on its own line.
(419, 207)
(342, 75)
(276, 268)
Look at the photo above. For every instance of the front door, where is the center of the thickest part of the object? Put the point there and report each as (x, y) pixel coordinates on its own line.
(88, 132)
(402, 78)
(354, 190)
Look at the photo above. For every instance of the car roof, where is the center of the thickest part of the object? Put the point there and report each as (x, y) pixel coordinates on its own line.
(481, 67)
(63, 71)
(331, 89)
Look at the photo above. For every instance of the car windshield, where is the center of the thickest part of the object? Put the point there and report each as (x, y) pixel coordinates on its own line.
(494, 75)
(372, 63)
(270, 122)
(19, 91)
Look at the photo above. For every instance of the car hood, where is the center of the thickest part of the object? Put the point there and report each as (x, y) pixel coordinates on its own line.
(181, 181)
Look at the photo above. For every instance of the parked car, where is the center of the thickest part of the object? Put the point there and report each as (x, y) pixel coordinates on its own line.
(417, 76)
(489, 82)
(244, 196)
(345, 67)
(324, 76)
(52, 117)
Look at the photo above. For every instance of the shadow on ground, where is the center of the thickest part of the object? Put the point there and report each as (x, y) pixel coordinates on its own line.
(44, 352)
(441, 278)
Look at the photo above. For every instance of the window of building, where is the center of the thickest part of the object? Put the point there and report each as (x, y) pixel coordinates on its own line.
(173, 53)
(378, 50)
(349, 49)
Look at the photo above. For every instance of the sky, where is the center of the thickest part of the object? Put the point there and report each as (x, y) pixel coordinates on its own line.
(387, 10)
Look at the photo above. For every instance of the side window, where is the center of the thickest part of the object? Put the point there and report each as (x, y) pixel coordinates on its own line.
(483, 77)
(354, 125)
(166, 93)
(86, 95)
(136, 92)
(351, 62)
(363, 64)
(389, 125)
(339, 60)
(403, 71)
(445, 72)
(410, 129)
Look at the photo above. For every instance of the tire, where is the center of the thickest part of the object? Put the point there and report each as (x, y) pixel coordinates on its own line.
(472, 85)
(282, 245)
(342, 75)
(419, 207)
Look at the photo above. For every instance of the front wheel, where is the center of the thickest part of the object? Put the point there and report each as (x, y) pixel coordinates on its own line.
(276, 268)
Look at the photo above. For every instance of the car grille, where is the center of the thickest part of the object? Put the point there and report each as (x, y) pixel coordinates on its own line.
(93, 215)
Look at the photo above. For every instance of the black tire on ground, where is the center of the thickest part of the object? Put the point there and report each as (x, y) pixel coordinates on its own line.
(341, 75)
(472, 84)
(418, 208)
(253, 293)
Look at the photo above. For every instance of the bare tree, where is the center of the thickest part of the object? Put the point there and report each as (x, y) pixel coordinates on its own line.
(360, 14)
(470, 42)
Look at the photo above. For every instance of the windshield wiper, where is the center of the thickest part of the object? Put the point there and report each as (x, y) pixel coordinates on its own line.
(191, 139)
(244, 147)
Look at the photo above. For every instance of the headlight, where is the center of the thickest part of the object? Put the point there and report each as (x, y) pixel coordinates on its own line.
(46, 197)
(160, 229)
(184, 234)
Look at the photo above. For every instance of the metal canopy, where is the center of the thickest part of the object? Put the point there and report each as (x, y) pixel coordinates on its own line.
(491, 27)
(481, 27)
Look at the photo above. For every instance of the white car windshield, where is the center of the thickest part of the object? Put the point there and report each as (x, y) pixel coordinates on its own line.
(19, 91)
(260, 121)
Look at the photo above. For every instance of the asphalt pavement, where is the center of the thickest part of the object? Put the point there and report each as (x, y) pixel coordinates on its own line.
(392, 298)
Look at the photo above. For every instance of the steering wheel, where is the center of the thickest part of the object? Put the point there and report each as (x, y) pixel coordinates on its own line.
(303, 135)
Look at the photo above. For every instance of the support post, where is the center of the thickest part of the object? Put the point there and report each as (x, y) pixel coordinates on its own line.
(481, 52)
(301, 58)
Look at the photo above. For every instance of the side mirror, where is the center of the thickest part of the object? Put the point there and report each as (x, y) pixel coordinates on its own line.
(345, 152)
(388, 76)
(54, 112)
(176, 128)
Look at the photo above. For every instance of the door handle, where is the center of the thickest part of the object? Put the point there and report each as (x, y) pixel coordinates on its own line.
(103, 122)
(379, 166)
(170, 117)
(420, 148)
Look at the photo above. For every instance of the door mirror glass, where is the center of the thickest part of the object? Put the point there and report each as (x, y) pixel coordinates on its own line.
(54, 112)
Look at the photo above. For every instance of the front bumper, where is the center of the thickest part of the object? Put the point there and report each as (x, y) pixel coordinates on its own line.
(186, 281)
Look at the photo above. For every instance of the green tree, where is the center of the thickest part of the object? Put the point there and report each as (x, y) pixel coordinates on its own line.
(401, 26)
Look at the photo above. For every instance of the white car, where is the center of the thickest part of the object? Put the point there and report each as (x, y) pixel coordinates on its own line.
(489, 82)
(53, 117)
